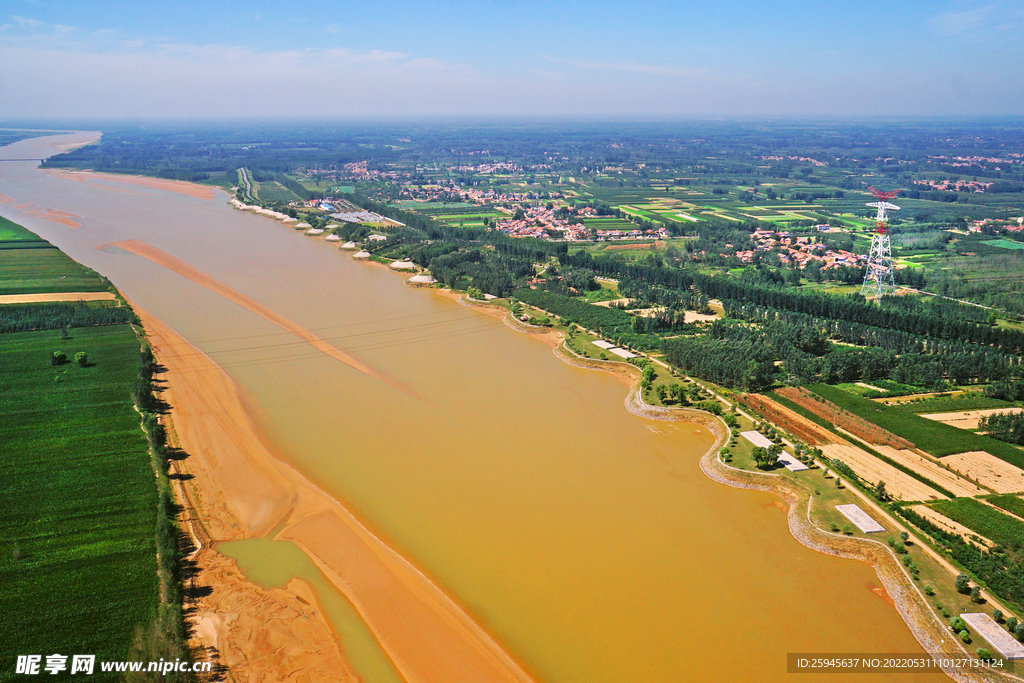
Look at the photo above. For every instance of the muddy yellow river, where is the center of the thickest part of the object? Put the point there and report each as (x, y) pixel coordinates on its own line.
(584, 540)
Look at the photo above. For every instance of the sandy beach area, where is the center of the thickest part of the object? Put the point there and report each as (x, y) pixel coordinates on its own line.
(241, 489)
(177, 186)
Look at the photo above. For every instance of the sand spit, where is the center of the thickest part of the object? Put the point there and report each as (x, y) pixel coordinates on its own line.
(242, 490)
(181, 268)
(56, 296)
(236, 492)
(177, 186)
(62, 217)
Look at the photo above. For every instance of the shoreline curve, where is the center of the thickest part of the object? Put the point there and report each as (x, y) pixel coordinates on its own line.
(929, 632)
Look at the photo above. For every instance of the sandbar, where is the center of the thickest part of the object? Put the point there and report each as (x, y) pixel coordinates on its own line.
(62, 217)
(177, 186)
(178, 266)
(242, 489)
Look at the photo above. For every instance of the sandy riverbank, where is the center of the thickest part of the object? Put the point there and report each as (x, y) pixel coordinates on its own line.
(176, 186)
(241, 489)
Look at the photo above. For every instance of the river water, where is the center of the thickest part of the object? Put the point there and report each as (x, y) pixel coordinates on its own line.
(585, 540)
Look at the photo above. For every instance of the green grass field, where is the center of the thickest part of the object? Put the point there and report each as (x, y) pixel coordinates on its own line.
(35, 271)
(1005, 244)
(10, 232)
(272, 191)
(77, 497)
(992, 524)
(930, 436)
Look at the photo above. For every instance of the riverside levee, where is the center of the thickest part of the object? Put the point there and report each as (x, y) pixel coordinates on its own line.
(584, 540)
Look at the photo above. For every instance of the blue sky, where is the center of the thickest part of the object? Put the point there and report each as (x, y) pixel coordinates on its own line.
(514, 57)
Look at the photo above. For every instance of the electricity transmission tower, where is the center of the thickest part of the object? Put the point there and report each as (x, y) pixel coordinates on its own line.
(879, 279)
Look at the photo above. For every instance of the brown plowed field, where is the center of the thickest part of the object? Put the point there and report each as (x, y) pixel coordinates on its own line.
(990, 471)
(871, 469)
(794, 423)
(933, 471)
(854, 424)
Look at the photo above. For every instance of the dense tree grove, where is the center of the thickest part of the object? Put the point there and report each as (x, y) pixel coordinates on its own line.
(734, 363)
(488, 271)
(905, 357)
(922, 343)
(58, 315)
(1004, 426)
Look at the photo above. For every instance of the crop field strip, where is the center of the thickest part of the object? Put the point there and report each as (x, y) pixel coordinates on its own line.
(967, 419)
(984, 520)
(12, 232)
(792, 422)
(37, 271)
(854, 424)
(949, 525)
(933, 471)
(988, 470)
(1014, 504)
(951, 404)
(871, 469)
(931, 437)
(845, 437)
(30, 265)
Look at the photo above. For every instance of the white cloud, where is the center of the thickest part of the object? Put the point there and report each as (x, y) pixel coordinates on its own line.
(26, 22)
(978, 23)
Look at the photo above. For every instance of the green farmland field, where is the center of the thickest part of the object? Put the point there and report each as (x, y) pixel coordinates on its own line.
(976, 516)
(1005, 244)
(10, 232)
(272, 191)
(1008, 502)
(77, 497)
(34, 271)
(610, 224)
